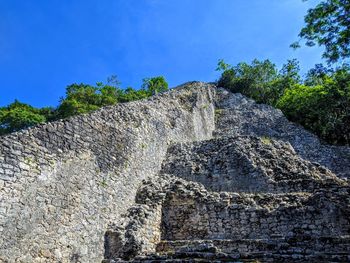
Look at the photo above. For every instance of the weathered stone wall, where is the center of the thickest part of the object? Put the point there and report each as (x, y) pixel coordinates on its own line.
(74, 190)
(63, 183)
(234, 216)
(250, 193)
(303, 225)
(140, 233)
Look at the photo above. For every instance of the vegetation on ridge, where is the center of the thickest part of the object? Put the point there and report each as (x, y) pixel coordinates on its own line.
(80, 98)
(320, 101)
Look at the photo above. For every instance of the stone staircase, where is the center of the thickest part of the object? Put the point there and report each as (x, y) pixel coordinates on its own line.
(263, 189)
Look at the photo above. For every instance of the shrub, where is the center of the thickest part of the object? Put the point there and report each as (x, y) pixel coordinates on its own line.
(155, 85)
(19, 115)
(321, 104)
(259, 80)
(324, 109)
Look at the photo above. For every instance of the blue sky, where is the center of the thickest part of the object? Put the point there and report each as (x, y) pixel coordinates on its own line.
(46, 45)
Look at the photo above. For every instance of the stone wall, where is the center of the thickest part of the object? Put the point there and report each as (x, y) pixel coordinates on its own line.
(140, 233)
(233, 216)
(251, 193)
(75, 190)
(63, 183)
(175, 217)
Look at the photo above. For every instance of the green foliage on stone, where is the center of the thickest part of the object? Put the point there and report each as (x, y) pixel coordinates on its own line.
(82, 98)
(19, 115)
(155, 85)
(266, 140)
(323, 109)
(321, 102)
(79, 99)
(259, 80)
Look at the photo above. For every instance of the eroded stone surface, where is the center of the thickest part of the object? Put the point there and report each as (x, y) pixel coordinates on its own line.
(64, 182)
(146, 181)
(309, 225)
(239, 115)
(262, 189)
(246, 164)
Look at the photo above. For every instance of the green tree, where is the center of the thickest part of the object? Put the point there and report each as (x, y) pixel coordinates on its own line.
(83, 98)
(155, 85)
(288, 77)
(253, 80)
(323, 109)
(321, 103)
(80, 98)
(328, 25)
(130, 94)
(290, 71)
(19, 115)
(317, 75)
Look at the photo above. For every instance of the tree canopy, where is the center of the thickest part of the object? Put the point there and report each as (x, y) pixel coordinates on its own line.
(320, 102)
(328, 25)
(155, 85)
(19, 115)
(260, 80)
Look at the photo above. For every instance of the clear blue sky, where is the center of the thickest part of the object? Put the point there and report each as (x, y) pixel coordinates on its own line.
(47, 44)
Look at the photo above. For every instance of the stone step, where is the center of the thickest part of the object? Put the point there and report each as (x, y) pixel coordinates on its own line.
(184, 258)
(244, 258)
(296, 248)
(297, 244)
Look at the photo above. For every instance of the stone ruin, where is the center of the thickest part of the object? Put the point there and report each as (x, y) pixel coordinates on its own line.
(197, 174)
